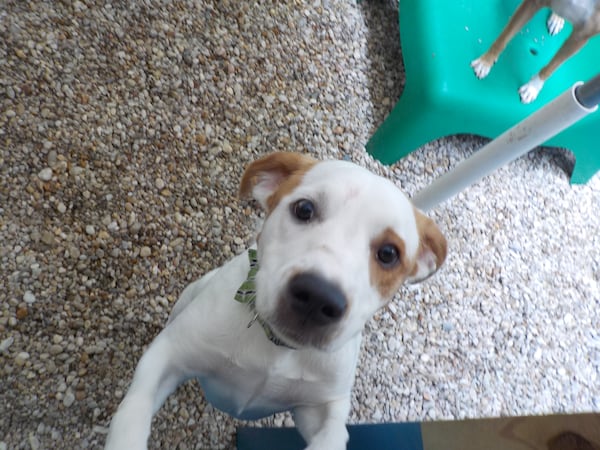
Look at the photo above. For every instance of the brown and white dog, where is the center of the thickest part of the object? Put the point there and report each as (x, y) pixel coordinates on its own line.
(584, 15)
(279, 327)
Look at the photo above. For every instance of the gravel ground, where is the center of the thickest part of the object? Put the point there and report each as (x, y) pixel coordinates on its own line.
(124, 130)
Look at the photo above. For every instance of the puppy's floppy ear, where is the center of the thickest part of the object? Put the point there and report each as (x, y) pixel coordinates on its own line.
(266, 175)
(432, 248)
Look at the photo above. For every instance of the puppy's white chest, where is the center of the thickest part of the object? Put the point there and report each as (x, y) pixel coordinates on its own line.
(252, 393)
(242, 399)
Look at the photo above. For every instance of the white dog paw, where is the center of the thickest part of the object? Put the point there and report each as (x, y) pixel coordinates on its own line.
(529, 91)
(555, 24)
(481, 68)
(340, 446)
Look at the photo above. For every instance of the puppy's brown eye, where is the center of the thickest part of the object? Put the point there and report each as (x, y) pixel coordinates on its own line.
(388, 255)
(304, 210)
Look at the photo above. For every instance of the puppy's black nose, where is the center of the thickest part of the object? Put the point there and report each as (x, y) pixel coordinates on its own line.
(315, 299)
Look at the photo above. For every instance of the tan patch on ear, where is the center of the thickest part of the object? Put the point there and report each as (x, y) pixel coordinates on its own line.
(286, 186)
(430, 239)
(281, 166)
(387, 280)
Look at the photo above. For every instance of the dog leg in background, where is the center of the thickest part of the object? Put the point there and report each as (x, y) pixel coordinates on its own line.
(574, 42)
(156, 376)
(555, 24)
(323, 427)
(484, 63)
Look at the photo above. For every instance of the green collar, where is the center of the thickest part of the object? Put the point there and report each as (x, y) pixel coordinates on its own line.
(246, 293)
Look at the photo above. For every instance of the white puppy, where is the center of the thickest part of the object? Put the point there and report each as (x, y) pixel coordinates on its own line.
(283, 332)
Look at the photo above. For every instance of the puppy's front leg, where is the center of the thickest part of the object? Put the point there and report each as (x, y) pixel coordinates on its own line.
(156, 376)
(323, 426)
(530, 90)
(522, 15)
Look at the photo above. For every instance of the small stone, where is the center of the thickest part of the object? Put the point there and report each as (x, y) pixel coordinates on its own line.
(188, 56)
(569, 319)
(22, 312)
(45, 174)
(6, 343)
(69, 398)
(79, 6)
(447, 326)
(29, 298)
(21, 358)
(52, 156)
(159, 183)
(227, 148)
(55, 349)
(74, 252)
(176, 242)
(90, 230)
(34, 442)
(93, 349)
(47, 238)
(145, 252)
(99, 430)
(61, 207)
(103, 235)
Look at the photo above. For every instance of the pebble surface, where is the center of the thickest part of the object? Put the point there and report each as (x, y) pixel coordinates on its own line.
(124, 130)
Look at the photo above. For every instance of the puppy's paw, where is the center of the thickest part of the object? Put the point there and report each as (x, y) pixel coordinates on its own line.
(314, 446)
(555, 24)
(481, 68)
(330, 438)
(529, 91)
(124, 443)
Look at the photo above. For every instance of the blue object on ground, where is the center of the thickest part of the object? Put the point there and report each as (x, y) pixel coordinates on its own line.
(387, 436)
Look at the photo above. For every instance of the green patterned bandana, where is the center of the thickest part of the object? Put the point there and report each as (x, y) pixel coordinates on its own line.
(247, 294)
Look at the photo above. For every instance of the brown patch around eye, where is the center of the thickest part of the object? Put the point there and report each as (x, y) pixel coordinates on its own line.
(388, 278)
